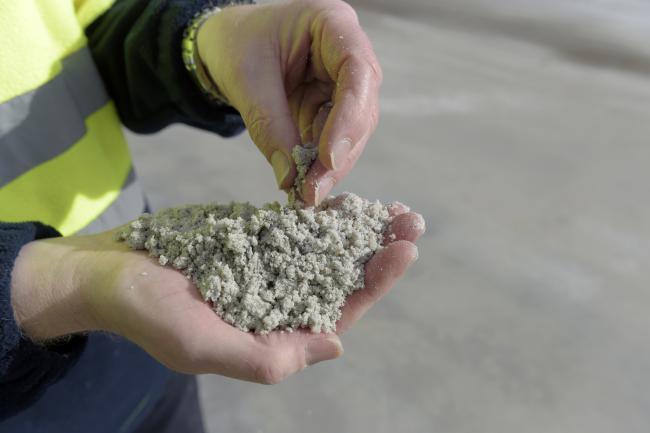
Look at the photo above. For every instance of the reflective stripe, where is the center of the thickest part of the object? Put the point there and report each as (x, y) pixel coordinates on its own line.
(39, 125)
(63, 157)
(127, 207)
(71, 190)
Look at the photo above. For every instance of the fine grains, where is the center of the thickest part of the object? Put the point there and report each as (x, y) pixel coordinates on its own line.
(268, 268)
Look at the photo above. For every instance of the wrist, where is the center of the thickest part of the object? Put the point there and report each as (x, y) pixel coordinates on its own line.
(195, 62)
(207, 36)
(45, 293)
(212, 43)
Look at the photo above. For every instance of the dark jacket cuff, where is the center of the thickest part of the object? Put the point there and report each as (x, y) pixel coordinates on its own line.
(26, 368)
(137, 48)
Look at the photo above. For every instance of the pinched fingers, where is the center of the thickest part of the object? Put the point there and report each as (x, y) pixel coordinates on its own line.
(341, 54)
(354, 115)
(349, 60)
(320, 180)
(308, 105)
(273, 130)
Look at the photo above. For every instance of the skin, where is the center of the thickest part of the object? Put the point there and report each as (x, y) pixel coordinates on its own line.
(298, 71)
(77, 284)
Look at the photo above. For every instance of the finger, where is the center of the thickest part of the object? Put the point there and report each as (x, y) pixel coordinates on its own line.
(319, 121)
(382, 271)
(315, 180)
(281, 354)
(353, 118)
(315, 97)
(318, 184)
(397, 208)
(265, 110)
(337, 202)
(319, 180)
(295, 101)
(405, 227)
(350, 61)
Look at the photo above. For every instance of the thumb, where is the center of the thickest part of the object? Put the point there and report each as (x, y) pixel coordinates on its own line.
(265, 110)
(291, 353)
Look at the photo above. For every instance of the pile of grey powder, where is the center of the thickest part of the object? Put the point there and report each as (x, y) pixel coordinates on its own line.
(268, 268)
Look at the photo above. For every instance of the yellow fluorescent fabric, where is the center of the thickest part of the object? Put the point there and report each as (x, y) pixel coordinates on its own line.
(76, 186)
(89, 10)
(34, 36)
(71, 190)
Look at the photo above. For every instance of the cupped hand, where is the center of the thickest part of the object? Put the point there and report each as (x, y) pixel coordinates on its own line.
(75, 284)
(298, 72)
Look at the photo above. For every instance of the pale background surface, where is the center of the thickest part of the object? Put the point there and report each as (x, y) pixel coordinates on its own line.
(521, 131)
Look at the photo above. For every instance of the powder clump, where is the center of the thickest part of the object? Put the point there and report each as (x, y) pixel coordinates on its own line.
(303, 155)
(274, 267)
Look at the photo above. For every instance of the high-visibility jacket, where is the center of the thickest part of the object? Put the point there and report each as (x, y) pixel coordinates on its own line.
(64, 162)
(63, 158)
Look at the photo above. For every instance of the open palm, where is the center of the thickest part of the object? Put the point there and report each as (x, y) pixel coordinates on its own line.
(160, 310)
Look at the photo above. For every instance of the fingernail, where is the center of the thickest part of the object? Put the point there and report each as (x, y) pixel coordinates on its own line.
(415, 256)
(281, 167)
(323, 349)
(339, 153)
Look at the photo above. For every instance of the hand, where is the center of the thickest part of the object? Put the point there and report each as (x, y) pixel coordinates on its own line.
(75, 284)
(297, 71)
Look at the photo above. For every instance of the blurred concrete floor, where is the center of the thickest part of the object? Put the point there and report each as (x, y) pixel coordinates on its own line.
(521, 131)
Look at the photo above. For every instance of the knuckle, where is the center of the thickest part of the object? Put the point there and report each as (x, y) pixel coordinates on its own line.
(334, 9)
(347, 9)
(366, 60)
